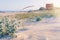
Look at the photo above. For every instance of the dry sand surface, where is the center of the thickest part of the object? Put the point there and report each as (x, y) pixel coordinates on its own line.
(41, 31)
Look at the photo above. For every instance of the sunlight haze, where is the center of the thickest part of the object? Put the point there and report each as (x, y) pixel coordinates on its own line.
(17, 5)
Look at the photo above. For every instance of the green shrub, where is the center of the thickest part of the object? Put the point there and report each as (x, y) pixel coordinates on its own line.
(38, 18)
(7, 27)
(46, 15)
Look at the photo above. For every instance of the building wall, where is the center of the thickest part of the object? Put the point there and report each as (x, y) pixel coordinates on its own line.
(49, 6)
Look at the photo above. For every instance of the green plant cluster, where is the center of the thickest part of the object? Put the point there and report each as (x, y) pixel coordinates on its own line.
(38, 18)
(46, 15)
(7, 28)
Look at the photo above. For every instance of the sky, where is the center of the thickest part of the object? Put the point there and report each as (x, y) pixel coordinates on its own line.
(18, 5)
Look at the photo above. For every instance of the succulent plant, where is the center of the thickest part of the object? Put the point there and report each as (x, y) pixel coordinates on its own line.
(7, 27)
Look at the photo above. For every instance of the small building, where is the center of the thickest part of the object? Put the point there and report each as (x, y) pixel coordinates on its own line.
(49, 6)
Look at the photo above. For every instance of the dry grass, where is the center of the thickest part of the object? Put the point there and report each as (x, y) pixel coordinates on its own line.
(27, 15)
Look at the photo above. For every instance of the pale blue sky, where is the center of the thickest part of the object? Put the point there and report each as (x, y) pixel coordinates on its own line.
(19, 4)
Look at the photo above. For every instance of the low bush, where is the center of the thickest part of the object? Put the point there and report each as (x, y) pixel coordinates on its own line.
(7, 28)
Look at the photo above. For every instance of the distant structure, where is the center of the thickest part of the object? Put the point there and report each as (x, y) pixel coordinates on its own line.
(49, 6)
(28, 7)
